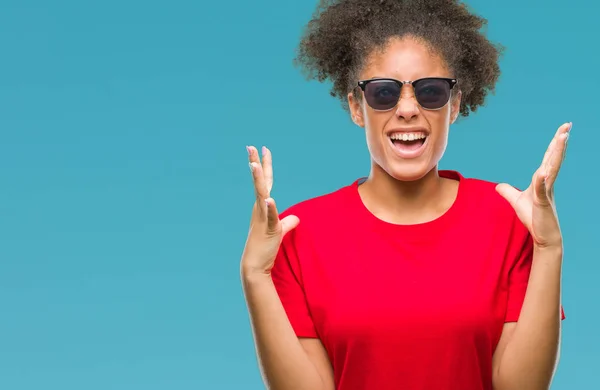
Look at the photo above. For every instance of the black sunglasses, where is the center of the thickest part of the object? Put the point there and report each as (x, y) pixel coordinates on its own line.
(432, 93)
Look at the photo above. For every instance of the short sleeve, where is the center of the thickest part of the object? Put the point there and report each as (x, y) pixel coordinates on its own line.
(287, 277)
(518, 277)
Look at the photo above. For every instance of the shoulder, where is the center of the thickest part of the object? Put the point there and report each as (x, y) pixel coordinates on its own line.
(483, 202)
(480, 186)
(323, 204)
(482, 193)
(326, 209)
(319, 216)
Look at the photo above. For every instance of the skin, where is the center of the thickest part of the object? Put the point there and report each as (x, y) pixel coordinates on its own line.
(396, 185)
(286, 362)
(527, 352)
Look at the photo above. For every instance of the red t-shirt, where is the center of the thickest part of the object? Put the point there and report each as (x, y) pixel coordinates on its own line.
(417, 307)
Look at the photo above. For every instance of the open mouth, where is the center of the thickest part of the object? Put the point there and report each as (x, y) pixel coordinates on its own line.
(408, 144)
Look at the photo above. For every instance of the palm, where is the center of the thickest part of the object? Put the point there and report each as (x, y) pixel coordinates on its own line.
(266, 229)
(535, 206)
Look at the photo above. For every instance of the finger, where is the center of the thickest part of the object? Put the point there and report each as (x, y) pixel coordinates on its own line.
(548, 154)
(549, 151)
(508, 192)
(253, 157)
(258, 177)
(555, 162)
(288, 223)
(564, 155)
(267, 165)
(252, 154)
(272, 215)
(540, 188)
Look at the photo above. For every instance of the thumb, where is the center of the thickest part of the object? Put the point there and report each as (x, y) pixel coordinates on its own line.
(508, 192)
(540, 190)
(288, 223)
(272, 216)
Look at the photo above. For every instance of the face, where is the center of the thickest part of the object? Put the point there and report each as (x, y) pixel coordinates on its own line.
(408, 140)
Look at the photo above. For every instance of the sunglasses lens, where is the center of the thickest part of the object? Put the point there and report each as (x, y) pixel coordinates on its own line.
(432, 94)
(382, 94)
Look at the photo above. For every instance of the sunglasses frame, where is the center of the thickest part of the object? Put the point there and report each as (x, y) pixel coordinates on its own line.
(362, 84)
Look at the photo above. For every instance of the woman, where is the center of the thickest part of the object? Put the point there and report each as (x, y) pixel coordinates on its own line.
(413, 278)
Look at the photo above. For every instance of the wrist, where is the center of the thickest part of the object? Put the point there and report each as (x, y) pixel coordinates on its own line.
(553, 250)
(251, 275)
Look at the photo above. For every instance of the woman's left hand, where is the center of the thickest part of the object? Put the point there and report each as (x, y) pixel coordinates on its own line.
(535, 206)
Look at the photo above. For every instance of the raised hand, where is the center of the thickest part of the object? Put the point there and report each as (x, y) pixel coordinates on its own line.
(266, 229)
(535, 206)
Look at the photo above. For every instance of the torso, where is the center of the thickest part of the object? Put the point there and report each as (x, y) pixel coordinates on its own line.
(408, 307)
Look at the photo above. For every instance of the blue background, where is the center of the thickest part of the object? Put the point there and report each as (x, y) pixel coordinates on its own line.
(125, 193)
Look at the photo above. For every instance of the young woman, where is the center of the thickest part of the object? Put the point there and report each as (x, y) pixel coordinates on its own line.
(412, 278)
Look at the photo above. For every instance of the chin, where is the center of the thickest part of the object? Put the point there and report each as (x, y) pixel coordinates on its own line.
(408, 171)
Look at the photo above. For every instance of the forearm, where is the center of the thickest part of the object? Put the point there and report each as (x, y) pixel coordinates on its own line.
(531, 355)
(283, 361)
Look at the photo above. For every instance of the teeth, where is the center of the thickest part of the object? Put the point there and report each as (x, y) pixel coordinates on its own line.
(408, 136)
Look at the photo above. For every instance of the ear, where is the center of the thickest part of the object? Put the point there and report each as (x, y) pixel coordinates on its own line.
(356, 112)
(455, 107)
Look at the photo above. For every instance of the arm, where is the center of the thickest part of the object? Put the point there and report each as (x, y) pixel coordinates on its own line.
(287, 362)
(527, 354)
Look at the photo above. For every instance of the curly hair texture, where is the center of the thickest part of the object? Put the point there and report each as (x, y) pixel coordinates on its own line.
(343, 33)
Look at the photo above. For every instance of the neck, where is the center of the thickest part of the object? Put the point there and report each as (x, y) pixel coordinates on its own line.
(411, 202)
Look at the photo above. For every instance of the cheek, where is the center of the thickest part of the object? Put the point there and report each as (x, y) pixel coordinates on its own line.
(440, 128)
(373, 141)
(374, 125)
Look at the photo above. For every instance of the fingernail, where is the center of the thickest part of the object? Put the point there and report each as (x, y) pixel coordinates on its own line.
(248, 150)
(264, 150)
(267, 203)
(570, 126)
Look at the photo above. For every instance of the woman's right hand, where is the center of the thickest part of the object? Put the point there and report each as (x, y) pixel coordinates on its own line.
(266, 230)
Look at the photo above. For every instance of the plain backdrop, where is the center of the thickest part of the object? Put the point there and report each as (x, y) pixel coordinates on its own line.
(125, 192)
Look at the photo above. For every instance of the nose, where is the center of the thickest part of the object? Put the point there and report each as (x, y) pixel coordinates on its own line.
(407, 107)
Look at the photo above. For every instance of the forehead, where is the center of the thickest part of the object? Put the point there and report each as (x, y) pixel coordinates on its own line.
(405, 59)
